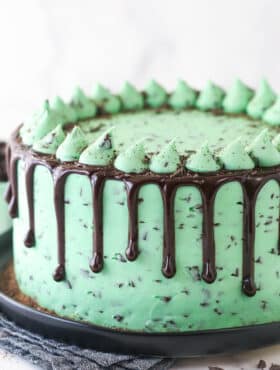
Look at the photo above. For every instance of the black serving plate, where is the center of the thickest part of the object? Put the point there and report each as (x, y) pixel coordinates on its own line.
(198, 343)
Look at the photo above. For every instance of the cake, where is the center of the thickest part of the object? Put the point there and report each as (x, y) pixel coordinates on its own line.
(150, 211)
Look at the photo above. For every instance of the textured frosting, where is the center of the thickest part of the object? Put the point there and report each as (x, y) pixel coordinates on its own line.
(211, 97)
(67, 112)
(263, 151)
(72, 146)
(156, 95)
(262, 100)
(276, 142)
(183, 96)
(167, 160)
(237, 98)
(100, 93)
(235, 157)
(110, 103)
(50, 143)
(99, 153)
(203, 161)
(272, 115)
(131, 98)
(133, 159)
(41, 124)
(84, 107)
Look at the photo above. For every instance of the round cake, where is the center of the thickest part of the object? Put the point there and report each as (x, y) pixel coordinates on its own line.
(150, 211)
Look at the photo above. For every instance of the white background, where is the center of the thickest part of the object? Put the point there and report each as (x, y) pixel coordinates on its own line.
(48, 47)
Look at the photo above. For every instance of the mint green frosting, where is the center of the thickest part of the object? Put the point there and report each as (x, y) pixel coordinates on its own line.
(71, 148)
(49, 143)
(84, 107)
(167, 161)
(99, 153)
(262, 100)
(156, 95)
(276, 142)
(44, 122)
(67, 112)
(263, 151)
(235, 157)
(272, 114)
(133, 159)
(183, 96)
(100, 93)
(202, 161)
(28, 126)
(211, 97)
(237, 98)
(110, 103)
(131, 98)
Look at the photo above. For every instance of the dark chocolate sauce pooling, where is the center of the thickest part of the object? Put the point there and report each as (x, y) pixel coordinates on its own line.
(208, 184)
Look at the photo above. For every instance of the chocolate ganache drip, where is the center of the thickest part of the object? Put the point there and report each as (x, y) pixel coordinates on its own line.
(168, 264)
(251, 181)
(29, 240)
(132, 190)
(97, 181)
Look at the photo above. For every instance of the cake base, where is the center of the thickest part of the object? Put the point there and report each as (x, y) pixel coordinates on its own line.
(28, 314)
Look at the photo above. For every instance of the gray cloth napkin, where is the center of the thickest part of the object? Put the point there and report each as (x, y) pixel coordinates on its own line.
(52, 355)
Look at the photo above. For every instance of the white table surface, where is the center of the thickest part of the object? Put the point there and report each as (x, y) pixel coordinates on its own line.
(245, 360)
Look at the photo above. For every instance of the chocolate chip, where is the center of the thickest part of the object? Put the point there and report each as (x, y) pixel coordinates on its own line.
(235, 273)
(68, 284)
(118, 318)
(119, 257)
(166, 299)
(263, 304)
(217, 311)
(145, 236)
(204, 304)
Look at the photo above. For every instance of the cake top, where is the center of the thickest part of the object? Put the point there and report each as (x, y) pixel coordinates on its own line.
(161, 132)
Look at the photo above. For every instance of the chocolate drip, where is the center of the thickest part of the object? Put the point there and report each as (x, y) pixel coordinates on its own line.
(208, 184)
(208, 194)
(132, 190)
(97, 181)
(29, 240)
(251, 188)
(168, 191)
(12, 193)
(8, 192)
(59, 186)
